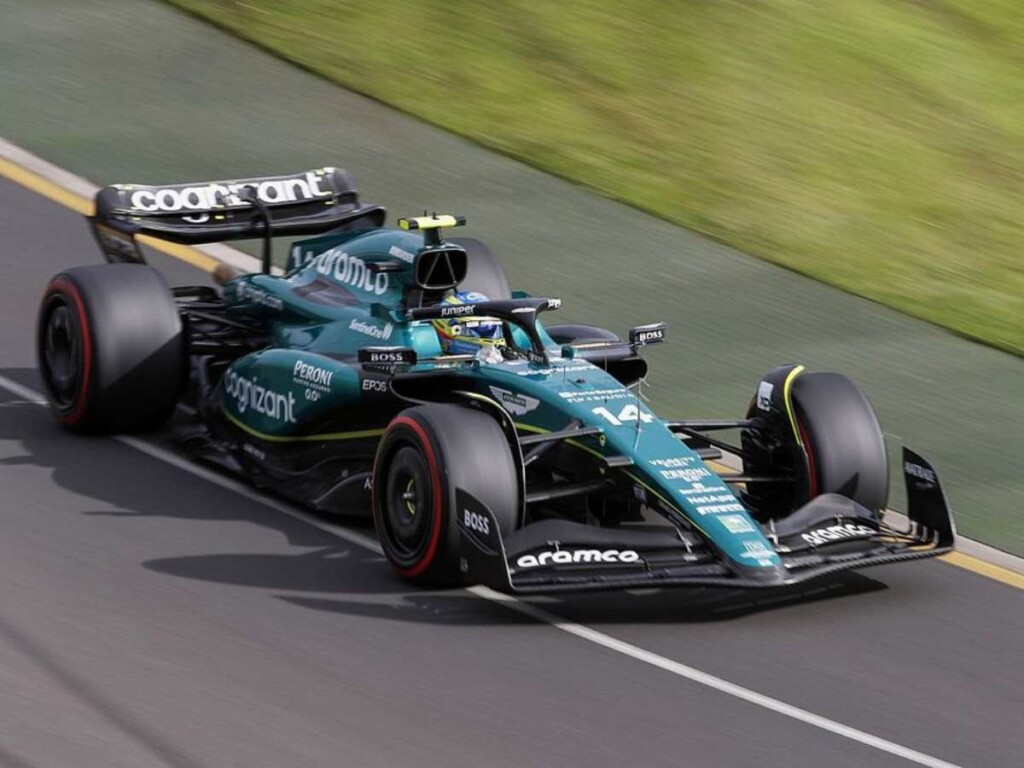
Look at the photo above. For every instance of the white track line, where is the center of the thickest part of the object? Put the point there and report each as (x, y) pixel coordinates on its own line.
(236, 258)
(232, 256)
(579, 630)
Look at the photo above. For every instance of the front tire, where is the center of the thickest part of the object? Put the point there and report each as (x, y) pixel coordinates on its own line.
(843, 449)
(110, 348)
(429, 456)
(842, 438)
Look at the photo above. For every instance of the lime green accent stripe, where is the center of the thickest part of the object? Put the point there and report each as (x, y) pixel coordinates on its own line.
(478, 396)
(582, 447)
(303, 438)
(789, 403)
(573, 443)
(531, 428)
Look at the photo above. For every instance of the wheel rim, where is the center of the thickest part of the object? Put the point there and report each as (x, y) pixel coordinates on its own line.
(62, 355)
(407, 504)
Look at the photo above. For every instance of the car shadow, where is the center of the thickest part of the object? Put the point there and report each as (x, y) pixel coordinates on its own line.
(333, 569)
(126, 485)
(660, 606)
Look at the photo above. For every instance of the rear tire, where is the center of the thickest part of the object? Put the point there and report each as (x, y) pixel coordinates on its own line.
(426, 455)
(110, 348)
(576, 334)
(485, 274)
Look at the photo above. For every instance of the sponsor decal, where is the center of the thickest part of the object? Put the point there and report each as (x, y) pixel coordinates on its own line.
(312, 376)
(207, 196)
(757, 550)
(550, 371)
(375, 385)
(254, 295)
(837, 533)
(457, 310)
(513, 402)
(698, 488)
(673, 462)
(718, 498)
(596, 395)
(714, 509)
(351, 270)
(249, 394)
(764, 395)
(689, 475)
(253, 451)
(573, 556)
(554, 304)
(736, 523)
(476, 522)
(921, 473)
(398, 253)
(387, 355)
(648, 334)
(299, 259)
(646, 337)
(629, 412)
(371, 330)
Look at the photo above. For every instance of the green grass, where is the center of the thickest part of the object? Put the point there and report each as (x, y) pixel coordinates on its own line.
(877, 145)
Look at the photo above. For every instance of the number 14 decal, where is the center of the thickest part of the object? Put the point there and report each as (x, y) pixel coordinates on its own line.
(629, 413)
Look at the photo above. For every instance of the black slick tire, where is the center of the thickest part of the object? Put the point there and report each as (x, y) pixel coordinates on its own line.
(575, 334)
(429, 456)
(843, 440)
(485, 273)
(110, 348)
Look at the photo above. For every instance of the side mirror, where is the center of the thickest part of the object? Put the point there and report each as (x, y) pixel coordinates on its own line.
(642, 335)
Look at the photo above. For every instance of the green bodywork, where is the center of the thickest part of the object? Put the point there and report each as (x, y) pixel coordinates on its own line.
(331, 304)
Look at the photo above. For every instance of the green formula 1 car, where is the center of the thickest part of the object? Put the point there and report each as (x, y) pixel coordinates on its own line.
(528, 462)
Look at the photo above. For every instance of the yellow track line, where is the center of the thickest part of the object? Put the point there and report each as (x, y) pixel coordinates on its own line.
(46, 188)
(997, 572)
(84, 206)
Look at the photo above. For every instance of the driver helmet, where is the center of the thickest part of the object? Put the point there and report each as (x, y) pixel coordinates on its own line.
(467, 335)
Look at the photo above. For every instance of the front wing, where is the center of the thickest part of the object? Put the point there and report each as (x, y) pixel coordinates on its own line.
(828, 535)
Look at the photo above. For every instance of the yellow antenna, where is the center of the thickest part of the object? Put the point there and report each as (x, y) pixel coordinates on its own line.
(433, 221)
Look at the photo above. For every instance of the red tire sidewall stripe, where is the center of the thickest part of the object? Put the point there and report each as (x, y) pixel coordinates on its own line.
(69, 289)
(812, 464)
(438, 511)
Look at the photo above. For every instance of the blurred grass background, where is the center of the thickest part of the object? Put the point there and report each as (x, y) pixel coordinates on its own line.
(877, 145)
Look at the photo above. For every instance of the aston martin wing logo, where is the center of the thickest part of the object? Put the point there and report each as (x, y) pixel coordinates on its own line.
(513, 402)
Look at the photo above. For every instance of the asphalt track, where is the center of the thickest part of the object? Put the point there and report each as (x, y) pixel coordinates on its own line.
(151, 617)
(135, 91)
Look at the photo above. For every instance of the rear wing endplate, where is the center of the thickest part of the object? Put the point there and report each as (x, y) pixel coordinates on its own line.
(308, 203)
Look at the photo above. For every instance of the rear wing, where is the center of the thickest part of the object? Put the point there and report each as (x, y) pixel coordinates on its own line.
(307, 203)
